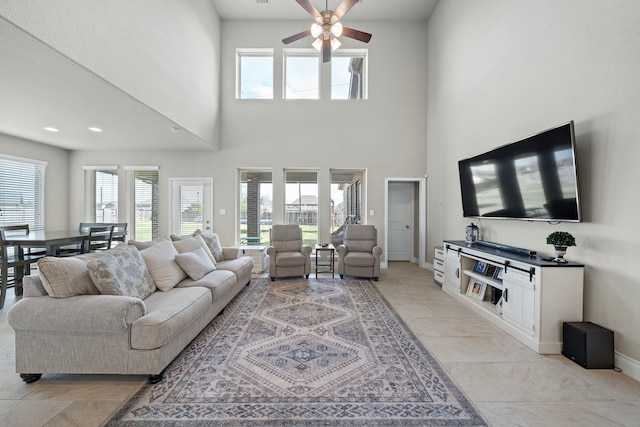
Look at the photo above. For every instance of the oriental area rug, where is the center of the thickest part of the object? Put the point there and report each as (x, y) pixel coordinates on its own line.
(303, 353)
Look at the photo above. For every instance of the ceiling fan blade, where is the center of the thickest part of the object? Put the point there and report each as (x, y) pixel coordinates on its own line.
(326, 50)
(296, 37)
(310, 8)
(356, 34)
(343, 8)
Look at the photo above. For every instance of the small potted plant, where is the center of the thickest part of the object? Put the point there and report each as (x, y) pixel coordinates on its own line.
(560, 241)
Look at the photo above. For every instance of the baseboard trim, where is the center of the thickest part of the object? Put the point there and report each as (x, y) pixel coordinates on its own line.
(627, 365)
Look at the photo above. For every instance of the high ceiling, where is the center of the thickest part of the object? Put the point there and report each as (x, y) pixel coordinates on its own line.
(40, 87)
(364, 10)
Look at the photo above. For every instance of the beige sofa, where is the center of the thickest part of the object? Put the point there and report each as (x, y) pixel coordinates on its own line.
(123, 311)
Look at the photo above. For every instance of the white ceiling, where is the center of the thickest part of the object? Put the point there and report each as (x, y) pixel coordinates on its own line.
(365, 10)
(41, 87)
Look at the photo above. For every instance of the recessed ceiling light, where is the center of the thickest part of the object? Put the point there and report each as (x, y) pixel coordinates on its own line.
(95, 129)
(50, 129)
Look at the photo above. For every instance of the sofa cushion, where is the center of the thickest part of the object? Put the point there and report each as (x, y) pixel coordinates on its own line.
(121, 272)
(161, 262)
(190, 244)
(218, 282)
(213, 242)
(66, 277)
(144, 245)
(196, 264)
(168, 314)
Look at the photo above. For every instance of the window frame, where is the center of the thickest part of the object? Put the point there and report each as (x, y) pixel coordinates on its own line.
(353, 53)
(255, 52)
(90, 214)
(24, 166)
(301, 53)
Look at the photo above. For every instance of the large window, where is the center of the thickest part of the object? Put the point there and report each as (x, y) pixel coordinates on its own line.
(302, 75)
(22, 192)
(301, 202)
(101, 183)
(348, 75)
(256, 206)
(347, 197)
(254, 74)
(144, 193)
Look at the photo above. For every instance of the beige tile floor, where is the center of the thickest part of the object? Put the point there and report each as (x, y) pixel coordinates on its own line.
(508, 383)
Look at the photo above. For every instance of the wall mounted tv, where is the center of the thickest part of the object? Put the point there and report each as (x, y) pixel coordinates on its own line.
(534, 178)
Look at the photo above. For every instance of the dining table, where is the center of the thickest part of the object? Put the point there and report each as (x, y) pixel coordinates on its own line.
(50, 240)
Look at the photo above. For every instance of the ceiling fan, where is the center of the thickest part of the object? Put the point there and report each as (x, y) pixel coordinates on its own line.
(327, 28)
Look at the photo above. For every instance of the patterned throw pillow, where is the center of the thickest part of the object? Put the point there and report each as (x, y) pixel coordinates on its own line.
(121, 272)
(213, 242)
(196, 264)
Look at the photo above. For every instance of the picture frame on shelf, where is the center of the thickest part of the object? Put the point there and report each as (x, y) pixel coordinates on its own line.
(491, 270)
(476, 289)
(498, 273)
(480, 267)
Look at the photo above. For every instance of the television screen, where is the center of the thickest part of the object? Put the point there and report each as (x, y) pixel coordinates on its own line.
(534, 178)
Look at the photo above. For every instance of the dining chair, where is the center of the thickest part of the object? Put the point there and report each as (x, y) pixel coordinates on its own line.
(14, 258)
(119, 229)
(100, 238)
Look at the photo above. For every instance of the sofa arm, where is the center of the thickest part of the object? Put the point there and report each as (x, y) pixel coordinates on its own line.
(306, 249)
(376, 251)
(230, 252)
(82, 313)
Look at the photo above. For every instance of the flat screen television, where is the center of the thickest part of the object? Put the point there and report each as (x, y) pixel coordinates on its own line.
(534, 179)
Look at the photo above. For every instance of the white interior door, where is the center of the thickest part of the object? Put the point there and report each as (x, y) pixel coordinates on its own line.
(191, 206)
(401, 221)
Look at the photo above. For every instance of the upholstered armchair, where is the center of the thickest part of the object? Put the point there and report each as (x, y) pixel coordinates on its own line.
(288, 256)
(359, 255)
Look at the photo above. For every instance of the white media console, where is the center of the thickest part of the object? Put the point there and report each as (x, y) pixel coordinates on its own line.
(537, 296)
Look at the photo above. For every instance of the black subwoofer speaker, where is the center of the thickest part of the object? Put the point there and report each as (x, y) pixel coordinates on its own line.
(588, 344)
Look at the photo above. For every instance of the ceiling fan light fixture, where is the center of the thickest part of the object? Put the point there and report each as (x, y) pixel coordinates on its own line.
(335, 43)
(317, 44)
(316, 30)
(336, 29)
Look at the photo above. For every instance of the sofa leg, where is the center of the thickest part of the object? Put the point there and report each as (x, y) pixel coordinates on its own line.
(306, 276)
(273, 278)
(342, 276)
(155, 379)
(30, 378)
(375, 278)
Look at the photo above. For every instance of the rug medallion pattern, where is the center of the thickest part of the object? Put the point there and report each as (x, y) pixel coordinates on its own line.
(303, 353)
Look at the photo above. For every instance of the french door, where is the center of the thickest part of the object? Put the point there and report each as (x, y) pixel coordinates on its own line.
(191, 205)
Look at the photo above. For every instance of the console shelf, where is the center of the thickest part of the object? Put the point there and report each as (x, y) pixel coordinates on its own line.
(537, 295)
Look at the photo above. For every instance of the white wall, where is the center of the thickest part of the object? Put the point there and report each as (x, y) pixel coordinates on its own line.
(501, 70)
(56, 179)
(386, 135)
(163, 53)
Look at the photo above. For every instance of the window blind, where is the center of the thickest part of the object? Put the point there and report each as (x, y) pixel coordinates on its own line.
(145, 202)
(22, 192)
(102, 193)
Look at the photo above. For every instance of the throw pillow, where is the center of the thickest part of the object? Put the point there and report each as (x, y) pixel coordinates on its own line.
(121, 272)
(196, 264)
(190, 244)
(162, 265)
(66, 277)
(144, 245)
(213, 242)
